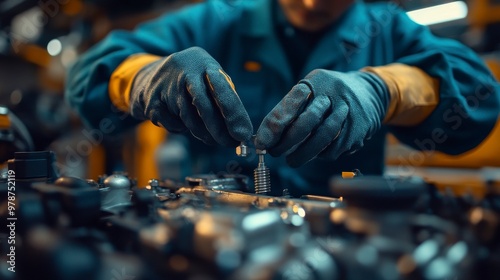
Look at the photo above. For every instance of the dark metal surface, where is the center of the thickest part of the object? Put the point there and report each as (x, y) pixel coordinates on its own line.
(211, 228)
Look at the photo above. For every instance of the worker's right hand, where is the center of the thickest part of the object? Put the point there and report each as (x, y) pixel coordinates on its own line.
(188, 90)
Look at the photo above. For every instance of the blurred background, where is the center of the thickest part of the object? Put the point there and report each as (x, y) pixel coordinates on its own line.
(40, 39)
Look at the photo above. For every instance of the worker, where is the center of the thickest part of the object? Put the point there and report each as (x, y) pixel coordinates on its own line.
(318, 82)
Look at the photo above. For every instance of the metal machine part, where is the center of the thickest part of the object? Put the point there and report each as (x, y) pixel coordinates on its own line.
(115, 193)
(33, 167)
(262, 175)
(14, 136)
(385, 228)
(233, 182)
(242, 150)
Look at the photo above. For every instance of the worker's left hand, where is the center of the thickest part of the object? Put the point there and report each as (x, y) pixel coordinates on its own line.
(325, 115)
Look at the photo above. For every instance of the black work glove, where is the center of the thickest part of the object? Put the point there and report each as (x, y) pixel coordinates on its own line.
(325, 115)
(188, 90)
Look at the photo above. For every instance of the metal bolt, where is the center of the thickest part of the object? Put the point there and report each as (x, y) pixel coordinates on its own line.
(262, 175)
(242, 150)
(154, 183)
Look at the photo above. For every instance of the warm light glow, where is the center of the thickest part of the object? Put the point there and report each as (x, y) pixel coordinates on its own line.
(301, 212)
(440, 13)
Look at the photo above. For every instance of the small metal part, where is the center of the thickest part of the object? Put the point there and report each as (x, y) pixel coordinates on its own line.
(352, 174)
(242, 150)
(348, 175)
(214, 182)
(117, 181)
(115, 193)
(262, 175)
(154, 183)
(319, 198)
(93, 183)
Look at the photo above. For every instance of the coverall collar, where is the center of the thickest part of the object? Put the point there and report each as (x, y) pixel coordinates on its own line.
(257, 22)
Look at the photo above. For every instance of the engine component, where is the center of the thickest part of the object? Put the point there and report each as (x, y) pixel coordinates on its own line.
(242, 150)
(262, 175)
(212, 227)
(115, 193)
(14, 136)
(219, 182)
(32, 167)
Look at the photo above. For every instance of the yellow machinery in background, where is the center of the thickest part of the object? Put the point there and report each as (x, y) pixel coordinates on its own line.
(140, 158)
(483, 13)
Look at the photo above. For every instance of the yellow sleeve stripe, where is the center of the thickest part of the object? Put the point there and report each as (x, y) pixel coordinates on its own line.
(122, 79)
(414, 94)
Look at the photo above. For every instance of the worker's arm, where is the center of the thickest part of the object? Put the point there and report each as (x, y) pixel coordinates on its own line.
(443, 97)
(97, 85)
(187, 90)
(437, 95)
(326, 114)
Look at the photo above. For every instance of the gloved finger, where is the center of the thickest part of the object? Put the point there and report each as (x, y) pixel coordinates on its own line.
(190, 115)
(281, 116)
(303, 126)
(210, 120)
(163, 118)
(235, 115)
(349, 141)
(326, 133)
(341, 146)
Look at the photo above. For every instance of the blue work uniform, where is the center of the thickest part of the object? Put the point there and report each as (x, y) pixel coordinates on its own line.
(238, 32)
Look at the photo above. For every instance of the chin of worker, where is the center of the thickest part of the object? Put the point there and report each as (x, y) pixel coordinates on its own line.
(188, 90)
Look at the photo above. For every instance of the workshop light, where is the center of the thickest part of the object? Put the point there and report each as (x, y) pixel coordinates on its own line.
(54, 47)
(440, 13)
